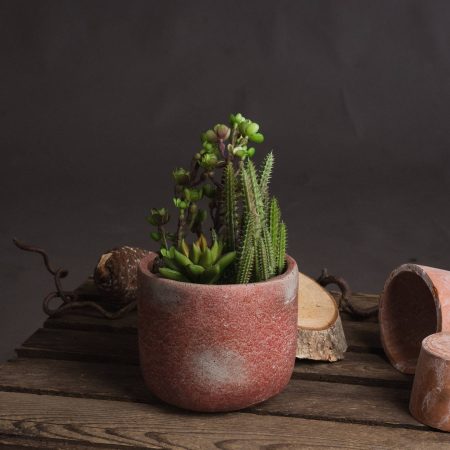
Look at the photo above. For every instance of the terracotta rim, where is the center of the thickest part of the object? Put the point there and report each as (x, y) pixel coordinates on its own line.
(423, 277)
(147, 260)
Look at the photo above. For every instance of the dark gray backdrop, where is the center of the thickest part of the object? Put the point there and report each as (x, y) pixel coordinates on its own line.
(99, 100)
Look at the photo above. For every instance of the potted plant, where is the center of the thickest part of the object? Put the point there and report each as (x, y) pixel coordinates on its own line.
(218, 316)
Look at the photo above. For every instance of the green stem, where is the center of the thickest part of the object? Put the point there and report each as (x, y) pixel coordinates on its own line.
(162, 231)
(181, 225)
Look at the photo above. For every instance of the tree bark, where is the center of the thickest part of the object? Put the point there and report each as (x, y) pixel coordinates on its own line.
(320, 333)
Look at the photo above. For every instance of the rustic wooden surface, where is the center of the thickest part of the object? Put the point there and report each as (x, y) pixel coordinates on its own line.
(76, 385)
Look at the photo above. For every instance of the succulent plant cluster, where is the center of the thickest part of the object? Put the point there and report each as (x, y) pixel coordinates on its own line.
(197, 263)
(248, 236)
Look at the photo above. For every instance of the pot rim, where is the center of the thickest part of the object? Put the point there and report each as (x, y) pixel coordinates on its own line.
(144, 263)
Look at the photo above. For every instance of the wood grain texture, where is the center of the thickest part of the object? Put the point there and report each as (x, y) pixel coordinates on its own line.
(93, 378)
(81, 346)
(127, 324)
(363, 336)
(320, 334)
(301, 398)
(10, 442)
(155, 426)
(75, 379)
(356, 368)
(342, 402)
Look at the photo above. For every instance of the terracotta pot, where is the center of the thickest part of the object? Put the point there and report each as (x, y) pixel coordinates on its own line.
(216, 347)
(430, 397)
(415, 303)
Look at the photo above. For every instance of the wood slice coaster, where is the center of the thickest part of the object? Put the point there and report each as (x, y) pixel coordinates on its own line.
(320, 333)
(430, 397)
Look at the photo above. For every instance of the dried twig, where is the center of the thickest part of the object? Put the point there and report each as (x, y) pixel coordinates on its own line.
(70, 299)
(345, 303)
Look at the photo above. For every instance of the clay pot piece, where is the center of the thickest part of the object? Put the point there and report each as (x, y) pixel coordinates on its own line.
(430, 398)
(415, 303)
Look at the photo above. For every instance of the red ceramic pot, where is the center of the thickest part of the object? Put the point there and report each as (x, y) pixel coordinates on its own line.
(414, 304)
(216, 347)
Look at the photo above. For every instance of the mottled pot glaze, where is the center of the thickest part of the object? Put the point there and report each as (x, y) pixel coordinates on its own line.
(216, 347)
(415, 303)
(430, 397)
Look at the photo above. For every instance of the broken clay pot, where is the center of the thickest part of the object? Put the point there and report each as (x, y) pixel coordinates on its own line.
(216, 347)
(430, 397)
(414, 304)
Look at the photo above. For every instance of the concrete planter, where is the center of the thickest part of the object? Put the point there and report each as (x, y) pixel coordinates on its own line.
(216, 347)
(415, 303)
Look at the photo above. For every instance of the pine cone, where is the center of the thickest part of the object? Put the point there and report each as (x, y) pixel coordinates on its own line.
(116, 274)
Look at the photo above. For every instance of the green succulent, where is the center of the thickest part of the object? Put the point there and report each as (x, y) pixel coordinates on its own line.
(197, 263)
(208, 161)
(180, 203)
(158, 216)
(181, 176)
(222, 131)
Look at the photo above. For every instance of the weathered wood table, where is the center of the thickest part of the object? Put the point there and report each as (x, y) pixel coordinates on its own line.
(76, 384)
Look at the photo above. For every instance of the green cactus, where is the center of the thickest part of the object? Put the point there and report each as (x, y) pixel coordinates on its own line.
(230, 206)
(248, 234)
(246, 259)
(262, 237)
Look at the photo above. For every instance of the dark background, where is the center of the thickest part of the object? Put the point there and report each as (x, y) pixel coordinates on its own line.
(100, 100)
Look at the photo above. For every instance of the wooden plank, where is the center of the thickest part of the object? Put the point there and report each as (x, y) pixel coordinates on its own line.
(361, 336)
(81, 345)
(110, 347)
(104, 346)
(156, 426)
(356, 368)
(125, 324)
(342, 402)
(8, 442)
(105, 381)
(302, 398)
(107, 347)
(33, 375)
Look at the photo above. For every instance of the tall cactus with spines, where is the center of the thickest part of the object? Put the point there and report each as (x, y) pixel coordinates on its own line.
(281, 247)
(266, 174)
(230, 206)
(246, 220)
(246, 262)
(278, 235)
(262, 237)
